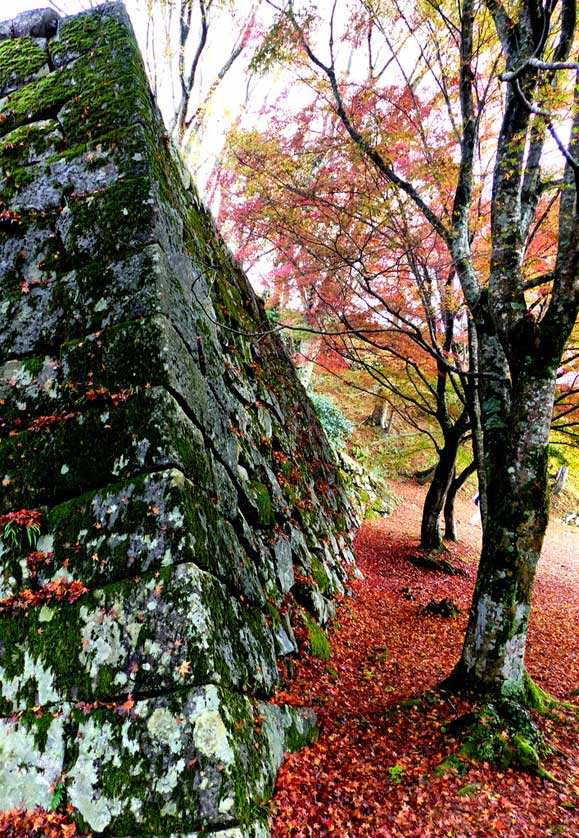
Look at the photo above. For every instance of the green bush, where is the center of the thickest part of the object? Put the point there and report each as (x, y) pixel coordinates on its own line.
(332, 420)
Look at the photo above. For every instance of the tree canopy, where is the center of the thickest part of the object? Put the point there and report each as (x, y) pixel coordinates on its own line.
(463, 120)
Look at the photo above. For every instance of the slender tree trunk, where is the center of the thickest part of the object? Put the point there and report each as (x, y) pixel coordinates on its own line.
(492, 660)
(560, 480)
(450, 533)
(430, 536)
(474, 407)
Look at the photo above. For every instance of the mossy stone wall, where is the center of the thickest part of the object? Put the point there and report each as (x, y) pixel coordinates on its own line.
(168, 503)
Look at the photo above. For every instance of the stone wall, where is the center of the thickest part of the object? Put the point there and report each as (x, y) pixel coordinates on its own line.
(169, 507)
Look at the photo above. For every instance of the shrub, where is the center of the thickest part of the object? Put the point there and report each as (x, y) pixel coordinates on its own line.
(332, 420)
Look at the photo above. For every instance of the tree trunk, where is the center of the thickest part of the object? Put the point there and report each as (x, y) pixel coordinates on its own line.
(430, 537)
(492, 661)
(450, 533)
(560, 480)
(474, 407)
(380, 417)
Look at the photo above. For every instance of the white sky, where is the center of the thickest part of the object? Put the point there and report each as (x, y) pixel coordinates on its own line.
(11, 8)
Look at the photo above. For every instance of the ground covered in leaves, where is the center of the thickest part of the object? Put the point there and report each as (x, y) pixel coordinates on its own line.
(376, 768)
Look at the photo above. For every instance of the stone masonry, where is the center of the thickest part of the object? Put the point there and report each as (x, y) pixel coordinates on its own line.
(172, 526)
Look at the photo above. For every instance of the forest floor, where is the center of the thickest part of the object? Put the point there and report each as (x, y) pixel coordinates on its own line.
(375, 769)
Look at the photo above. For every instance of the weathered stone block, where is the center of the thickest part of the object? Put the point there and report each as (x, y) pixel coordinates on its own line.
(127, 530)
(150, 636)
(38, 23)
(97, 295)
(145, 431)
(31, 144)
(21, 61)
(170, 764)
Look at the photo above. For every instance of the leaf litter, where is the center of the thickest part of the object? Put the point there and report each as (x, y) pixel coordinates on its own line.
(376, 769)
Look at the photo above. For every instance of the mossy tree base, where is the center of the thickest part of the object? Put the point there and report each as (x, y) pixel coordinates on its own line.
(502, 734)
(500, 729)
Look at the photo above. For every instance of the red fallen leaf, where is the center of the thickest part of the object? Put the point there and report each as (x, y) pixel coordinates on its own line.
(383, 653)
(60, 590)
(128, 705)
(23, 517)
(36, 823)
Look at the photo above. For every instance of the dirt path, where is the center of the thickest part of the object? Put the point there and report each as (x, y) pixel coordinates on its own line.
(373, 772)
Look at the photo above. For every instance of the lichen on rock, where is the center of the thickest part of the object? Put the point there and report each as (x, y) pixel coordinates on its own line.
(189, 504)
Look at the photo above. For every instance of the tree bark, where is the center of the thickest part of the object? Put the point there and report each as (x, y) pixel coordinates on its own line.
(430, 536)
(492, 661)
(473, 404)
(379, 418)
(450, 532)
(560, 480)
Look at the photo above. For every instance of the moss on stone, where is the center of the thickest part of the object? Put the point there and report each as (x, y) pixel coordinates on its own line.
(37, 100)
(147, 431)
(82, 34)
(34, 366)
(31, 143)
(14, 180)
(39, 723)
(20, 60)
(319, 643)
(95, 103)
(119, 219)
(320, 575)
(262, 499)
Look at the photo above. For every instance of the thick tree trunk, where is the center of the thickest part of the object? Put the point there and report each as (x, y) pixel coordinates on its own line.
(492, 659)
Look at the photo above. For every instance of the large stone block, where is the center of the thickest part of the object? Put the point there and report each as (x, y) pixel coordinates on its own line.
(146, 431)
(178, 763)
(153, 635)
(129, 529)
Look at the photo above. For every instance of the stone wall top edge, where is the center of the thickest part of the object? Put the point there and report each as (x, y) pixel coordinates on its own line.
(44, 21)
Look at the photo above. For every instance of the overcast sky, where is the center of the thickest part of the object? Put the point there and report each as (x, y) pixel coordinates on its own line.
(11, 8)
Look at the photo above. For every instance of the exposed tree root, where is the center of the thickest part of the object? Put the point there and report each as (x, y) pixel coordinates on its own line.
(445, 607)
(433, 561)
(503, 734)
(501, 731)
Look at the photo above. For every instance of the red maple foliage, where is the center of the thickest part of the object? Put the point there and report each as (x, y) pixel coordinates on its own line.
(36, 823)
(375, 770)
(59, 590)
(26, 518)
